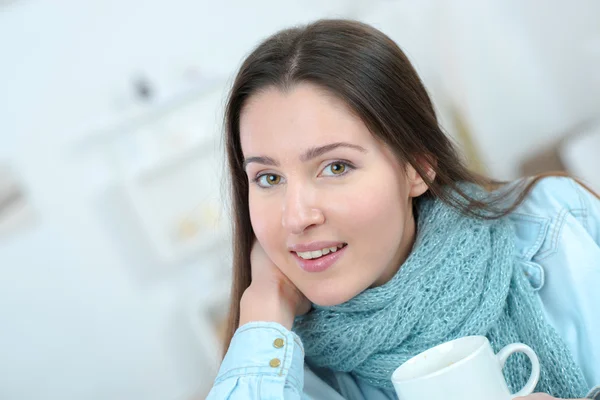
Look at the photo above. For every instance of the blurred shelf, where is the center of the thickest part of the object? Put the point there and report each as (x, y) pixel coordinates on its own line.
(175, 160)
(208, 315)
(144, 114)
(178, 204)
(164, 160)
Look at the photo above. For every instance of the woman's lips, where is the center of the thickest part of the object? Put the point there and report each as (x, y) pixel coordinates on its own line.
(322, 263)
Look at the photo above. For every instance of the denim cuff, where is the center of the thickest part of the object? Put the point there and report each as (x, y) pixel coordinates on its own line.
(266, 349)
(594, 393)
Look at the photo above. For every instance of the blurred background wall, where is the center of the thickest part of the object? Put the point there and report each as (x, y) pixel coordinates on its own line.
(114, 256)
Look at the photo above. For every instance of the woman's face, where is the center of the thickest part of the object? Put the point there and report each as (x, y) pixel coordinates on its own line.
(329, 203)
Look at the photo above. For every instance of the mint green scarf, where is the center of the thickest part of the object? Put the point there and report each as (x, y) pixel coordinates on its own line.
(461, 279)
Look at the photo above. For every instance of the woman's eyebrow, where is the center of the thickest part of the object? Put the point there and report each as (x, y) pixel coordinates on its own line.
(261, 160)
(319, 151)
(311, 153)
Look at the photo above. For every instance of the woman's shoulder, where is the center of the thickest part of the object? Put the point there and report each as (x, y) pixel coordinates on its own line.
(552, 203)
(558, 243)
(554, 217)
(554, 194)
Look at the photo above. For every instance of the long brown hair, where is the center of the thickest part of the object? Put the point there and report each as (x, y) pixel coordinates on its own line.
(370, 73)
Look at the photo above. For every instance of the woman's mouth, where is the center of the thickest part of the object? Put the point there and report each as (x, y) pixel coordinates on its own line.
(311, 255)
(319, 260)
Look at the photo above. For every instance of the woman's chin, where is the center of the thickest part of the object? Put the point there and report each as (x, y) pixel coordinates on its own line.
(330, 299)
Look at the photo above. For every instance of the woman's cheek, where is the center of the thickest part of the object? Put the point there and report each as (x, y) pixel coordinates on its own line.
(264, 224)
(260, 227)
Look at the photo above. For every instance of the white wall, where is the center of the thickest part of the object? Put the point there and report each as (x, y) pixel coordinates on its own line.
(79, 320)
(80, 317)
(521, 73)
(525, 74)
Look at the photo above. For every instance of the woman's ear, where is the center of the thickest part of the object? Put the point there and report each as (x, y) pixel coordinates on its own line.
(418, 186)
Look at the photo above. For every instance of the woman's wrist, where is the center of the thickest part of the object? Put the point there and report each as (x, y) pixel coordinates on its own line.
(257, 305)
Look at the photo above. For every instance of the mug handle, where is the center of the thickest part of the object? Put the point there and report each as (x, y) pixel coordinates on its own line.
(503, 355)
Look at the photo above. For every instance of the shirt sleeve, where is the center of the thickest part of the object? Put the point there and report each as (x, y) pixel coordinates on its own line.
(264, 361)
(591, 204)
(593, 227)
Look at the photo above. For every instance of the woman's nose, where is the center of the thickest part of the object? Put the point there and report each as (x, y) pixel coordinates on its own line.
(301, 211)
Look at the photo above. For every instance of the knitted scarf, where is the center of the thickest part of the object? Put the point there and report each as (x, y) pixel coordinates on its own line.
(461, 279)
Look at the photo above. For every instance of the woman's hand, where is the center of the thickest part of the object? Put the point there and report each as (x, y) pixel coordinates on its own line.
(271, 296)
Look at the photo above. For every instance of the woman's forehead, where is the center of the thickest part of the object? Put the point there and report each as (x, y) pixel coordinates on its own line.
(301, 117)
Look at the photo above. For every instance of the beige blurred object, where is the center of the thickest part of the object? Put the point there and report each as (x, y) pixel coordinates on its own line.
(219, 322)
(581, 154)
(577, 152)
(465, 137)
(15, 211)
(543, 160)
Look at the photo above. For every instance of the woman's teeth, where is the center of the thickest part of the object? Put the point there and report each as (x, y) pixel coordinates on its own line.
(308, 255)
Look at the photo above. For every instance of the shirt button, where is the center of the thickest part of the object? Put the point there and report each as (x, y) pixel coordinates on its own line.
(275, 363)
(278, 343)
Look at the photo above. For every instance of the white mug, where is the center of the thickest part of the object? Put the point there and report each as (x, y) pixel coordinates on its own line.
(462, 369)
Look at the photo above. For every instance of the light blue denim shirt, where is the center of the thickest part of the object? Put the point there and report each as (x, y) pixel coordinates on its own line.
(558, 246)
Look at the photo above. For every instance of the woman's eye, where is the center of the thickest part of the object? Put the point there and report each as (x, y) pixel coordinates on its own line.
(268, 180)
(336, 168)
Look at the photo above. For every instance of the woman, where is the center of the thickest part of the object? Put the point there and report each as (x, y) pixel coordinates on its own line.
(361, 239)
